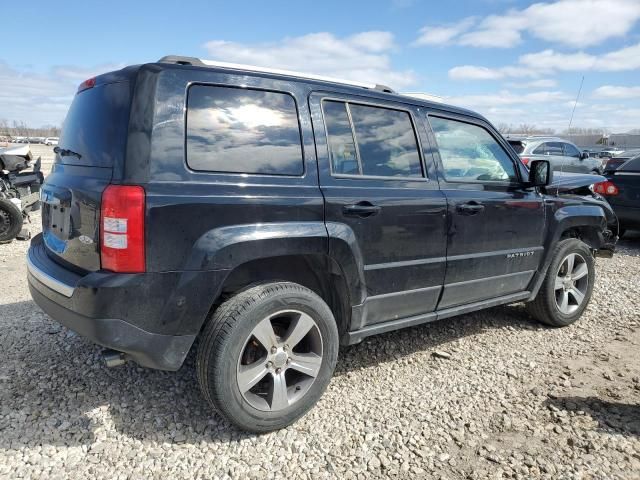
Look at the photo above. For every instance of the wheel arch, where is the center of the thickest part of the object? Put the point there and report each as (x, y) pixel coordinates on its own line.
(322, 257)
(584, 222)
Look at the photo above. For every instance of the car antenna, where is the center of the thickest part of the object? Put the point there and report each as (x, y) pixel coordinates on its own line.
(573, 111)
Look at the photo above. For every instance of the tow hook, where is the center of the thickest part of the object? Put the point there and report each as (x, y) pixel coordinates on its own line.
(112, 358)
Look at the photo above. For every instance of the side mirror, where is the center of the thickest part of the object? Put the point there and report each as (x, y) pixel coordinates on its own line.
(540, 173)
(584, 155)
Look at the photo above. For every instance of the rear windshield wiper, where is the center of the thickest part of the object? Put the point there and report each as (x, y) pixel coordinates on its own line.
(64, 152)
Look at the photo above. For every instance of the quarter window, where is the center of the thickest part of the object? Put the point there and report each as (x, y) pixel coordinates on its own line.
(243, 131)
(371, 141)
(469, 153)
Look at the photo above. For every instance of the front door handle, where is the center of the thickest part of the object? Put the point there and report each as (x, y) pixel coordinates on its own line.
(470, 208)
(361, 209)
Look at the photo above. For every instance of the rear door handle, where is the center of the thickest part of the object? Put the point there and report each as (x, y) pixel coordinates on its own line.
(361, 209)
(470, 208)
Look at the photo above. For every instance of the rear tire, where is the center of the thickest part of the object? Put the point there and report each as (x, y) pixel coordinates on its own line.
(10, 220)
(267, 355)
(566, 290)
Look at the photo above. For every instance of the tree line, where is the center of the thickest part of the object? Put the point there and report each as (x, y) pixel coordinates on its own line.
(21, 129)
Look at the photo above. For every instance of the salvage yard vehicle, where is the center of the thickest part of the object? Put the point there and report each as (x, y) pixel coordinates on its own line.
(563, 155)
(19, 191)
(622, 190)
(275, 216)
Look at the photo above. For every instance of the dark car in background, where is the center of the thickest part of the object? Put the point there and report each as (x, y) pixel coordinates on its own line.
(616, 161)
(562, 154)
(622, 190)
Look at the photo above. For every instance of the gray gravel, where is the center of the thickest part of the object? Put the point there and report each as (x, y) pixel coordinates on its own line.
(487, 395)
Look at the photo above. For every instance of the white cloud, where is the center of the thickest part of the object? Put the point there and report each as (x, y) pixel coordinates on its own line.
(41, 98)
(549, 61)
(471, 72)
(363, 56)
(574, 23)
(505, 97)
(627, 58)
(618, 92)
(542, 83)
(443, 34)
(550, 109)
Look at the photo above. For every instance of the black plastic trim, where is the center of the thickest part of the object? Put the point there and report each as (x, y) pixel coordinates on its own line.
(351, 338)
(153, 350)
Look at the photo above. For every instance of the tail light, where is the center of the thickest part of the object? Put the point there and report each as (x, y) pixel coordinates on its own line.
(122, 229)
(606, 188)
(88, 83)
(525, 160)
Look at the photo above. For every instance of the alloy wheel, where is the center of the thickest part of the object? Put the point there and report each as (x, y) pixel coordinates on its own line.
(280, 360)
(571, 283)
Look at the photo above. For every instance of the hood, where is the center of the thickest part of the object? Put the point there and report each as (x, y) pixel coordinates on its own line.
(21, 151)
(564, 182)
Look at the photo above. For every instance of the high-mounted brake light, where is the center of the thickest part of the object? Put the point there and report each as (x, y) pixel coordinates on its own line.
(122, 229)
(525, 160)
(88, 83)
(606, 188)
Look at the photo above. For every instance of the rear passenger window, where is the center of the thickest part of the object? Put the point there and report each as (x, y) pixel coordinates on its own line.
(469, 153)
(372, 141)
(243, 131)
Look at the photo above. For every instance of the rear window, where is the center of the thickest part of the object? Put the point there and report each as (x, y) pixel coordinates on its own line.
(96, 126)
(238, 130)
(632, 164)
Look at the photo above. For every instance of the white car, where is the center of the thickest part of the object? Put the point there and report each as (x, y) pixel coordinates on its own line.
(51, 141)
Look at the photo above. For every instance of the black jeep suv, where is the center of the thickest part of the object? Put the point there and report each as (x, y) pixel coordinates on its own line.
(274, 216)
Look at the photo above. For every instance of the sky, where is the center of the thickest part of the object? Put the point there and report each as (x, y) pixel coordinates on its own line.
(516, 62)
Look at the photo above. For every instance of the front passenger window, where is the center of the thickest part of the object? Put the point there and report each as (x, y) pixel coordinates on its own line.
(469, 153)
(571, 151)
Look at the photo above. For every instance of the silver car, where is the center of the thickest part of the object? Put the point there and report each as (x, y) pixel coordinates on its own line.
(563, 155)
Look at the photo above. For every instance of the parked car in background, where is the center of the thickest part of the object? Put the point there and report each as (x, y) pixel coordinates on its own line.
(610, 152)
(614, 162)
(622, 190)
(562, 154)
(51, 141)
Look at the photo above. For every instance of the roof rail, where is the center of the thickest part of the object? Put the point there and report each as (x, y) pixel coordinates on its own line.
(177, 59)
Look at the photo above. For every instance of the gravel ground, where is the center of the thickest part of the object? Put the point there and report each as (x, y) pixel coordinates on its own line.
(486, 395)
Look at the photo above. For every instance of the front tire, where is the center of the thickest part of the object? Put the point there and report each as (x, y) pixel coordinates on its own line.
(566, 290)
(267, 355)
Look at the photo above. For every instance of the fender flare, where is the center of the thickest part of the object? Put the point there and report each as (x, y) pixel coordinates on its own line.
(226, 248)
(566, 218)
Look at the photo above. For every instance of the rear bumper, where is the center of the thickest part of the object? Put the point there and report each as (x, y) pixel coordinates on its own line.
(163, 352)
(153, 317)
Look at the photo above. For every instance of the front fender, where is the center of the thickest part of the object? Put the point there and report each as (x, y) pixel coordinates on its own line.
(590, 217)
